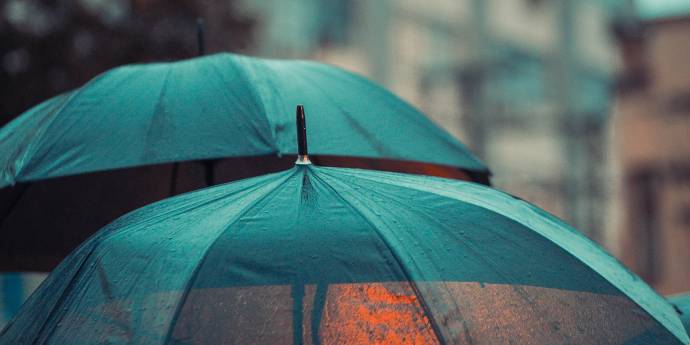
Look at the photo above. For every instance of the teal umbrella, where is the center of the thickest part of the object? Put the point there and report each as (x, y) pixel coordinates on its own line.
(150, 131)
(322, 255)
(316, 255)
(217, 106)
(681, 303)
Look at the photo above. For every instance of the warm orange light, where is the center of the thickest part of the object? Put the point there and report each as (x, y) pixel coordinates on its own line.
(382, 313)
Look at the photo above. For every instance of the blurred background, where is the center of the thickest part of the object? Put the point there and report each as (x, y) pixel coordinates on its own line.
(579, 106)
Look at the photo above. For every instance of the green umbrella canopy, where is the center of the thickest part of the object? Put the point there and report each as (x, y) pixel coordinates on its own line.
(681, 303)
(328, 255)
(221, 105)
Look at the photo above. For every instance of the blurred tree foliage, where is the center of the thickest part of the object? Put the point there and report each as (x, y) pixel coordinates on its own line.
(50, 46)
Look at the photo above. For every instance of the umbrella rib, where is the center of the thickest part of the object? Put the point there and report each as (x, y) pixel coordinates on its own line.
(422, 302)
(50, 122)
(44, 127)
(221, 194)
(157, 118)
(256, 93)
(53, 313)
(192, 278)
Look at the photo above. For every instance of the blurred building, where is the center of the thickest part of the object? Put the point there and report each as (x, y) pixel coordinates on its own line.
(525, 83)
(652, 123)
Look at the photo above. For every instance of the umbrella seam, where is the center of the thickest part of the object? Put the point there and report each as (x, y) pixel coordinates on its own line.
(64, 295)
(158, 112)
(30, 148)
(45, 125)
(415, 288)
(250, 81)
(197, 268)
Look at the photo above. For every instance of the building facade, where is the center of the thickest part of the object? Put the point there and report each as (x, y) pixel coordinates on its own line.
(652, 138)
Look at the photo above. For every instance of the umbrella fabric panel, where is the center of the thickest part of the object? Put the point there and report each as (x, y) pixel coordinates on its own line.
(116, 265)
(158, 265)
(305, 246)
(217, 106)
(547, 226)
(135, 116)
(38, 313)
(300, 233)
(16, 137)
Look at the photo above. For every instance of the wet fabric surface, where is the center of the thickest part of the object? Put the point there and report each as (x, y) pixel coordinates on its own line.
(216, 106)
(43, 221)
(342, 256)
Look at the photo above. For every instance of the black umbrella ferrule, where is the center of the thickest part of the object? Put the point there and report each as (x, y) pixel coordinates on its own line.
(302, 152)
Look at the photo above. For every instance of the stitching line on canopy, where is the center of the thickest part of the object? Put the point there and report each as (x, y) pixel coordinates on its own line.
(415, 288)
(33, 145)
(250, 84)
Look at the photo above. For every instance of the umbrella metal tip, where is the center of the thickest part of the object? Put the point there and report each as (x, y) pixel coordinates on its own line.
(302, 152)
(302, 160)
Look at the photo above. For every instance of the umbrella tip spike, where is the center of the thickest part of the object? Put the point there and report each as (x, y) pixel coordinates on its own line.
(302, 152)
